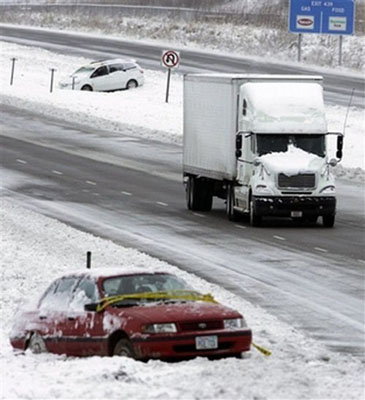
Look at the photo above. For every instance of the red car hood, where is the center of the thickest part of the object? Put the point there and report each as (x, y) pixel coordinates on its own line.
(192, 311)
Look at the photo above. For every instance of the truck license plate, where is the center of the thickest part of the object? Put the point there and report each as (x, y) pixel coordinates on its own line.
(296, 214)
(206, 342)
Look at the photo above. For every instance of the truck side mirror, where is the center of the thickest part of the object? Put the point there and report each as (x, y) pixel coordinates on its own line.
(238, 146)
(339, 147)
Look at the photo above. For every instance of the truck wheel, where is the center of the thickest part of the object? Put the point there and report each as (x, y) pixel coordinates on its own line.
(231, 213)
(328, 221)
(188, 194)
(255, 220)
(199, 195)
(207, 196)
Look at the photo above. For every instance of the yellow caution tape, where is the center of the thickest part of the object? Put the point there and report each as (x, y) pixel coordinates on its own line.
(175, 295)
(262, 350)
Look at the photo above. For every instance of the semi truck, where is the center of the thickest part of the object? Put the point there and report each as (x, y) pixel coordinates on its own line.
(259, 142)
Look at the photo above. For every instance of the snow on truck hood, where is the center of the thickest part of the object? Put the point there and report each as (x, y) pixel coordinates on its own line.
(285, 107)
(292, 162)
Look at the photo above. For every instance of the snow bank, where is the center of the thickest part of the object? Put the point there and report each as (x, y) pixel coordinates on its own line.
(36, 249)
(141, 112)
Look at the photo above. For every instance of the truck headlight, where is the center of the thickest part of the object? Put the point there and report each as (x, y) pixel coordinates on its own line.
(330, 189)
(160, 328)
(234, 323)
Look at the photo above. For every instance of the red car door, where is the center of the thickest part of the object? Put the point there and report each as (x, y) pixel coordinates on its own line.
(50, 318)
(83, 331)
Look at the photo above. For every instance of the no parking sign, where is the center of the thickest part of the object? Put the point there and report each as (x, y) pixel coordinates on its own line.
(170, 59)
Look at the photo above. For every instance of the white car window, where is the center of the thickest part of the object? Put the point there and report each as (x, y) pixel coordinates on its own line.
(84, 70)
(115, 67)
(85, 293)
(129, 66)
(101, 71)
(59, 299)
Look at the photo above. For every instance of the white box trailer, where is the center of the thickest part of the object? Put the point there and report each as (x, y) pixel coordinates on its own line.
(241, 126)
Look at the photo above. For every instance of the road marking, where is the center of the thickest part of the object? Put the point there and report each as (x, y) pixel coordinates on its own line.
(320, 249)
(21, 161)
(127, 193)
(240, 226)
(91, 183)
(160, 203)
(57, 172)
(96, 194)
(279, 237)
(199, 215)
(86, 190)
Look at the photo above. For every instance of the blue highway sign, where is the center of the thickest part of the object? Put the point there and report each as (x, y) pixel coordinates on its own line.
(322, 16)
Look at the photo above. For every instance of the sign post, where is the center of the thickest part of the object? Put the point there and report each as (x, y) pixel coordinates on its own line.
(52, 76)
(332, 17)
(170, 59)
(12, 70)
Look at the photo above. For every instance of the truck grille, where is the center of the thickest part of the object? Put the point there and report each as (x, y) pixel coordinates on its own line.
(297, 181)
(200, 325)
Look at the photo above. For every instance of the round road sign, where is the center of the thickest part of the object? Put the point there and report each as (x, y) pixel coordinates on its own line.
(170, 59)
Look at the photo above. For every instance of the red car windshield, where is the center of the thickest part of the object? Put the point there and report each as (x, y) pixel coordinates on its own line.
(121, 285)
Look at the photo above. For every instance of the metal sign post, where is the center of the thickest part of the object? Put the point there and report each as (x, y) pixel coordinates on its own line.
(340, 51)
(52, 76)
(170, 59)
(332, 17)
(12, 70)
(299, 47)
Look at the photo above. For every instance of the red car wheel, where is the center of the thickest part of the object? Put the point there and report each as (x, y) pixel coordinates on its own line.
(123, 348)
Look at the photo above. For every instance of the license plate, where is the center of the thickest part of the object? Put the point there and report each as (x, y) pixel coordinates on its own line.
(296, 214)
(206, 342)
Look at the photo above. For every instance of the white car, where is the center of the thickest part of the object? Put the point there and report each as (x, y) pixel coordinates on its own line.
(105, 75)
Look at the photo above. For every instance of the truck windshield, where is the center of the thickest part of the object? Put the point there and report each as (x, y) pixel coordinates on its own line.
(274, 143)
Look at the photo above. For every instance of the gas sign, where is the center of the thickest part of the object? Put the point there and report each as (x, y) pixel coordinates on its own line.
(322, 16)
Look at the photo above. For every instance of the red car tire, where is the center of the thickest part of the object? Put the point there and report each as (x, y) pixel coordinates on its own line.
(123, 348)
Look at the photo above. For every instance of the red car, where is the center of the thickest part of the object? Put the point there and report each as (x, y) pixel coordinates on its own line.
(139, 315)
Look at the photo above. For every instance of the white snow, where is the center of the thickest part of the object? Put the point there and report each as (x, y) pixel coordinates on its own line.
(141, 112)
(290, 107)
(292, 162)
(36, 249)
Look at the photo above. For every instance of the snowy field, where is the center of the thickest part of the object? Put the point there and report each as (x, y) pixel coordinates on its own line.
(135, 112)
(36, 249)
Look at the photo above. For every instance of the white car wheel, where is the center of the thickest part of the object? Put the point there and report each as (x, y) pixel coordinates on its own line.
(132, 84)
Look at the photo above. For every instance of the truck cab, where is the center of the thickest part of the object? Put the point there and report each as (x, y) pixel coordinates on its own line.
(260, 143)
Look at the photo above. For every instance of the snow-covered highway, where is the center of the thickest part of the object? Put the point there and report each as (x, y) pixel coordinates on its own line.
(110, 165)
(309, 276)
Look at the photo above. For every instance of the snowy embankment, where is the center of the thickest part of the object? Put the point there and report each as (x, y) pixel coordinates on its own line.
(36, 249)
(141, 112)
